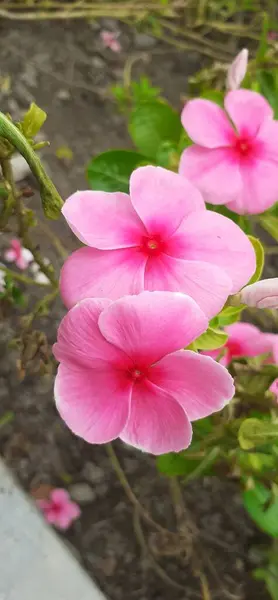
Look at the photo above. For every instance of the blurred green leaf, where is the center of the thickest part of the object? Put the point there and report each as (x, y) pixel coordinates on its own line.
(262, 506)
(33, 121)
(183, 464)
(254, 432)
(270, 224)
(214, 95)
(270, 576)
(268, 86)
(152, 123)
(259, 251)
(110, 171)
(6, 418)
(229, 315)
(211, 339)
(168, 156)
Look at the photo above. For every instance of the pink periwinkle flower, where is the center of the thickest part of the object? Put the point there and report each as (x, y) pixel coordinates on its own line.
(161, 237)
(59, 510)
(237, 70)
(109, 40)
(262, 294)
(122, 373)
(274, 388)
(234, 159)
(19, 255)
(244, 340)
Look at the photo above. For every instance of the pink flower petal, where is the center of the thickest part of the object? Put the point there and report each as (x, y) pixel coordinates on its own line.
(73, 510)
(103, 220)
(197, 382)
(268, 136)
(262, 294)
(104, 274)
(94, 404)
(63, 521)
(237, 70)
(206, 123)
(60, 496)
(259, 188)
(162, 199)
(207, 284)
(80, 340)
(217, 240)
(149, 326)
(247, 110)
(210, 170)
(156, 423)
(250, 340)
(10, 255)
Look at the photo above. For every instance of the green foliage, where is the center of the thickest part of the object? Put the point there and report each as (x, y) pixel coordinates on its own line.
(270, 223)
(259, 251)
(110, 171)
(255, 432)
(262, 505)
(267, 85)
(33, 121)
(12, 293)
(189, 466)
(211, 339)
(227, 316)
(269, 572)
(137, 92)
(151, 124)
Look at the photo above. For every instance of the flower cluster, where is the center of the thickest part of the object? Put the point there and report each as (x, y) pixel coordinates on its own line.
(155, 266)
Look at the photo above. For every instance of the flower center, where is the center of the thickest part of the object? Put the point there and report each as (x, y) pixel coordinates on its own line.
(152, 245)
(136, 374)
(234, 349)
(243, 146)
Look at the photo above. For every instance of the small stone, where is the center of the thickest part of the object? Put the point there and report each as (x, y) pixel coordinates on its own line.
(98, 62)
(63, 95)
(143, 41)
(82, 493)
(93, 473)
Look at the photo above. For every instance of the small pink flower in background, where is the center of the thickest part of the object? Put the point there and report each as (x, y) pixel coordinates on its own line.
(272, 36)
(274, 388)
(109, 40)
(122, 373)
(19, 255)
(161, 237)
(59, 510)
(234, 159)
(237, 70)
(244, 340)
(262, 294)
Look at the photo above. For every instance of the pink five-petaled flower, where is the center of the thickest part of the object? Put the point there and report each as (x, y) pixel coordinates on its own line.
(109, 39)
(122, 373)
(19, 255)
(262, 294)
(161, 237)
(59, 510)
(234, 159)
(244, 340)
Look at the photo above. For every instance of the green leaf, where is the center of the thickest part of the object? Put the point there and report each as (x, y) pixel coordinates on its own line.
(262, 506)
(254, 432)
(33, 121)
(152, 123)
(214, 95)
(6, 418)
(3, 192)
(270, 576)
(211, 339)
(270, 224)
(183, 464)
(259, 462)
(168, 156)
(110, 171)
(259, 251)
(268, 87)
(229, 315)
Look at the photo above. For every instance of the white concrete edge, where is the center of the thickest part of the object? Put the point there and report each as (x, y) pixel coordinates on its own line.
(34, 563)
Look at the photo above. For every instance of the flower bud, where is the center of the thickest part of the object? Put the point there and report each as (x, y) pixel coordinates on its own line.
(237, 70)
(262, 294)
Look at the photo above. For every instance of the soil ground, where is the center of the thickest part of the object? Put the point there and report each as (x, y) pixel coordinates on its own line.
(66, 70)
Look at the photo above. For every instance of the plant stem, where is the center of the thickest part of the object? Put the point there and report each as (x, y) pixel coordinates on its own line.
(22, 278)
(129, 492)
(22, 230)
(51, 200)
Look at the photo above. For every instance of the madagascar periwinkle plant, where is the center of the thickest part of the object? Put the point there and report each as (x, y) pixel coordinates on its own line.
(160, 346)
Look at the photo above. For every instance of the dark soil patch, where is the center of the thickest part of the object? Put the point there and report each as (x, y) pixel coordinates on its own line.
(64, 68)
